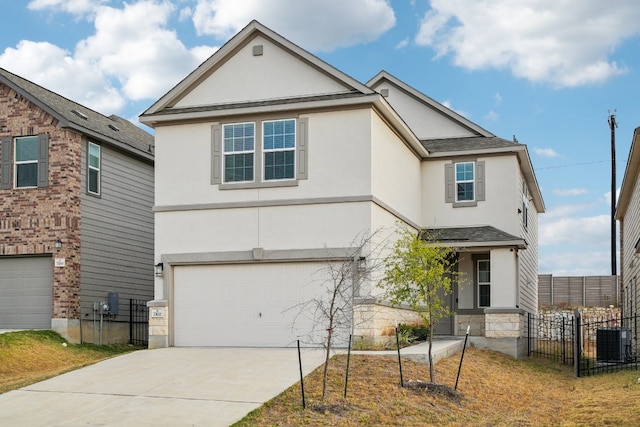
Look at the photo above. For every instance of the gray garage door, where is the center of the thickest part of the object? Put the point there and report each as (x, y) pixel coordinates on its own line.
(25, 293)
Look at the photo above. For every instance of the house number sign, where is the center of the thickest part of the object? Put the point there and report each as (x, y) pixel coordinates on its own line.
(156, 312)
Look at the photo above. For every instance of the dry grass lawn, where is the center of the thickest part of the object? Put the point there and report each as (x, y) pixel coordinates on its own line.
(493, 390)
(30, 356)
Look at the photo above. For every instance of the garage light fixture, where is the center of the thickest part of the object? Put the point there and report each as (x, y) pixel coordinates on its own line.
(58, 243)
(362, 263)
(159, 269)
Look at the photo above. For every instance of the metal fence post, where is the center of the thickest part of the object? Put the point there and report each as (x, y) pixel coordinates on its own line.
(577, 353)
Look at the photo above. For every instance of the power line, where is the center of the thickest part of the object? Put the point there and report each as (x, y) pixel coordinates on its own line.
(570, 164)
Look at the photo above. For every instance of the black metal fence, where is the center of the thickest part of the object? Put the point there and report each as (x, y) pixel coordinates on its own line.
(138, 322)
(591, 344)
(551, 337)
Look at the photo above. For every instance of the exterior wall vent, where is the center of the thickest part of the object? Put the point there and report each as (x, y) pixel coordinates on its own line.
(384, 92)
(257, 50)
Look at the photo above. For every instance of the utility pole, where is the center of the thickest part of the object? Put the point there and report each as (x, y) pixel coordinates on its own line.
(613, 125)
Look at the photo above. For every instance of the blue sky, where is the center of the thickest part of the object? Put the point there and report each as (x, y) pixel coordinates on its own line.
(547, 71)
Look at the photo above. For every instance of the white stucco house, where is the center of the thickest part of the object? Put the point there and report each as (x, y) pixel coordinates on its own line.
(628, 216)
(269, 162)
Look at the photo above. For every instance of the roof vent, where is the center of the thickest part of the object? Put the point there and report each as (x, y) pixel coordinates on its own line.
(79, 114)
(114, 127)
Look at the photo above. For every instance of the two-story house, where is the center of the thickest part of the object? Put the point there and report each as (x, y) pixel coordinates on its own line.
(628, 216)
(270, 163)
(76, 221)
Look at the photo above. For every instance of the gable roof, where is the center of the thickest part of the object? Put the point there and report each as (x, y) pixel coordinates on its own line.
(384, 76)
(474, 236)
(113, 130)
(631, 175)
(165, 105)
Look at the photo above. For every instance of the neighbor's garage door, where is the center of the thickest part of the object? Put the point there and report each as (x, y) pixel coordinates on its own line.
(25, 293)
(243, 305)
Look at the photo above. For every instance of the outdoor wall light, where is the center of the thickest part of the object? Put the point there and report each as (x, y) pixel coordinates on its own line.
(159, 268)
(58, 243)
(362, 263)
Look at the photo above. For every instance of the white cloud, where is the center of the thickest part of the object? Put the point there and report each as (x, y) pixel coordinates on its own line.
(497, 98)
(54, 68)
(492, 116)
(570, 263)
(545, 152)
(73, 7)
(402, 44)
(318, 25)
(570, 192)
(564, 43)
(588, 231)
(131, 56)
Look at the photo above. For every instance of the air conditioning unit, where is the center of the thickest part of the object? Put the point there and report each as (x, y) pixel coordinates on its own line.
(611, 344)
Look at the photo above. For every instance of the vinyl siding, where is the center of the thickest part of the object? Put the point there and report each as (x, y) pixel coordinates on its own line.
(630, 230)
(528, 295)
(117, 232)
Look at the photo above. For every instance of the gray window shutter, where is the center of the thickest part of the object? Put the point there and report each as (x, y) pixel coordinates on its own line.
(449, 183)
(480, 194)
(43, 160)
(303, 149)
(5, 165)
(216, 154)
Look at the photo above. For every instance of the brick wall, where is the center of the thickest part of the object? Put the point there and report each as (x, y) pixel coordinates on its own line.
(32, 219)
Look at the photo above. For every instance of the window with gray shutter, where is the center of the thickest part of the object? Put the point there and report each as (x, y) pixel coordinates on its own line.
(5, 164)
(43, 160)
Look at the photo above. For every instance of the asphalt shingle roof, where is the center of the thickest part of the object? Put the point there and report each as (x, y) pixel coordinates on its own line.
(83, 119)
(475, 234)
(466, 144)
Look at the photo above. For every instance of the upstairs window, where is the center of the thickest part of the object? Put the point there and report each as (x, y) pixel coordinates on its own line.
(484, 283)
(525, 205)
(26, 162)
(279, 148)
(465, 182)
(239, 146)
(260, 153)
(93, 170)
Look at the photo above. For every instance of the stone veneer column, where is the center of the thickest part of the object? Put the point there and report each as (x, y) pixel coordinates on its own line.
(503, 322)
(158, 324)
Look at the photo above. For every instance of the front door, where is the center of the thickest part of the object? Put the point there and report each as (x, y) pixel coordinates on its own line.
(445, 325)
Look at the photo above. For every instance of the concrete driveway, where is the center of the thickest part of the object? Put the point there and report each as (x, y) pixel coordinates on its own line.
(163, 387)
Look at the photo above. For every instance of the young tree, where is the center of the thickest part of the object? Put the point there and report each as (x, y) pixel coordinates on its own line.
(331, 311)
(420, 272)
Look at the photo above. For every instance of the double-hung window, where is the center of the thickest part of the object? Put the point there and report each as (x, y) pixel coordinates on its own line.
(484, 283)
(525, 205)
(279, 149)
(93, 169)
(465, 182)
(26, 162)
(239, 152)
(261, 153)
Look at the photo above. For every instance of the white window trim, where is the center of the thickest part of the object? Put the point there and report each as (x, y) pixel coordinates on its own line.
(98, 169)
(254, 152)
(264, 151)
(472, 181)
(23, 162)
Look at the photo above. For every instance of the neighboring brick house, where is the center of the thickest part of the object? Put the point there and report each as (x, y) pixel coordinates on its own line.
(285, 160)
(76, 194)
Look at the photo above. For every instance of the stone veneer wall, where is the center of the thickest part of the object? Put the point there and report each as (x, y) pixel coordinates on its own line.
(33, 218)
(376, 321)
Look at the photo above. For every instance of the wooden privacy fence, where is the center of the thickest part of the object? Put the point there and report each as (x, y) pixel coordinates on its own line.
(586, 291)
